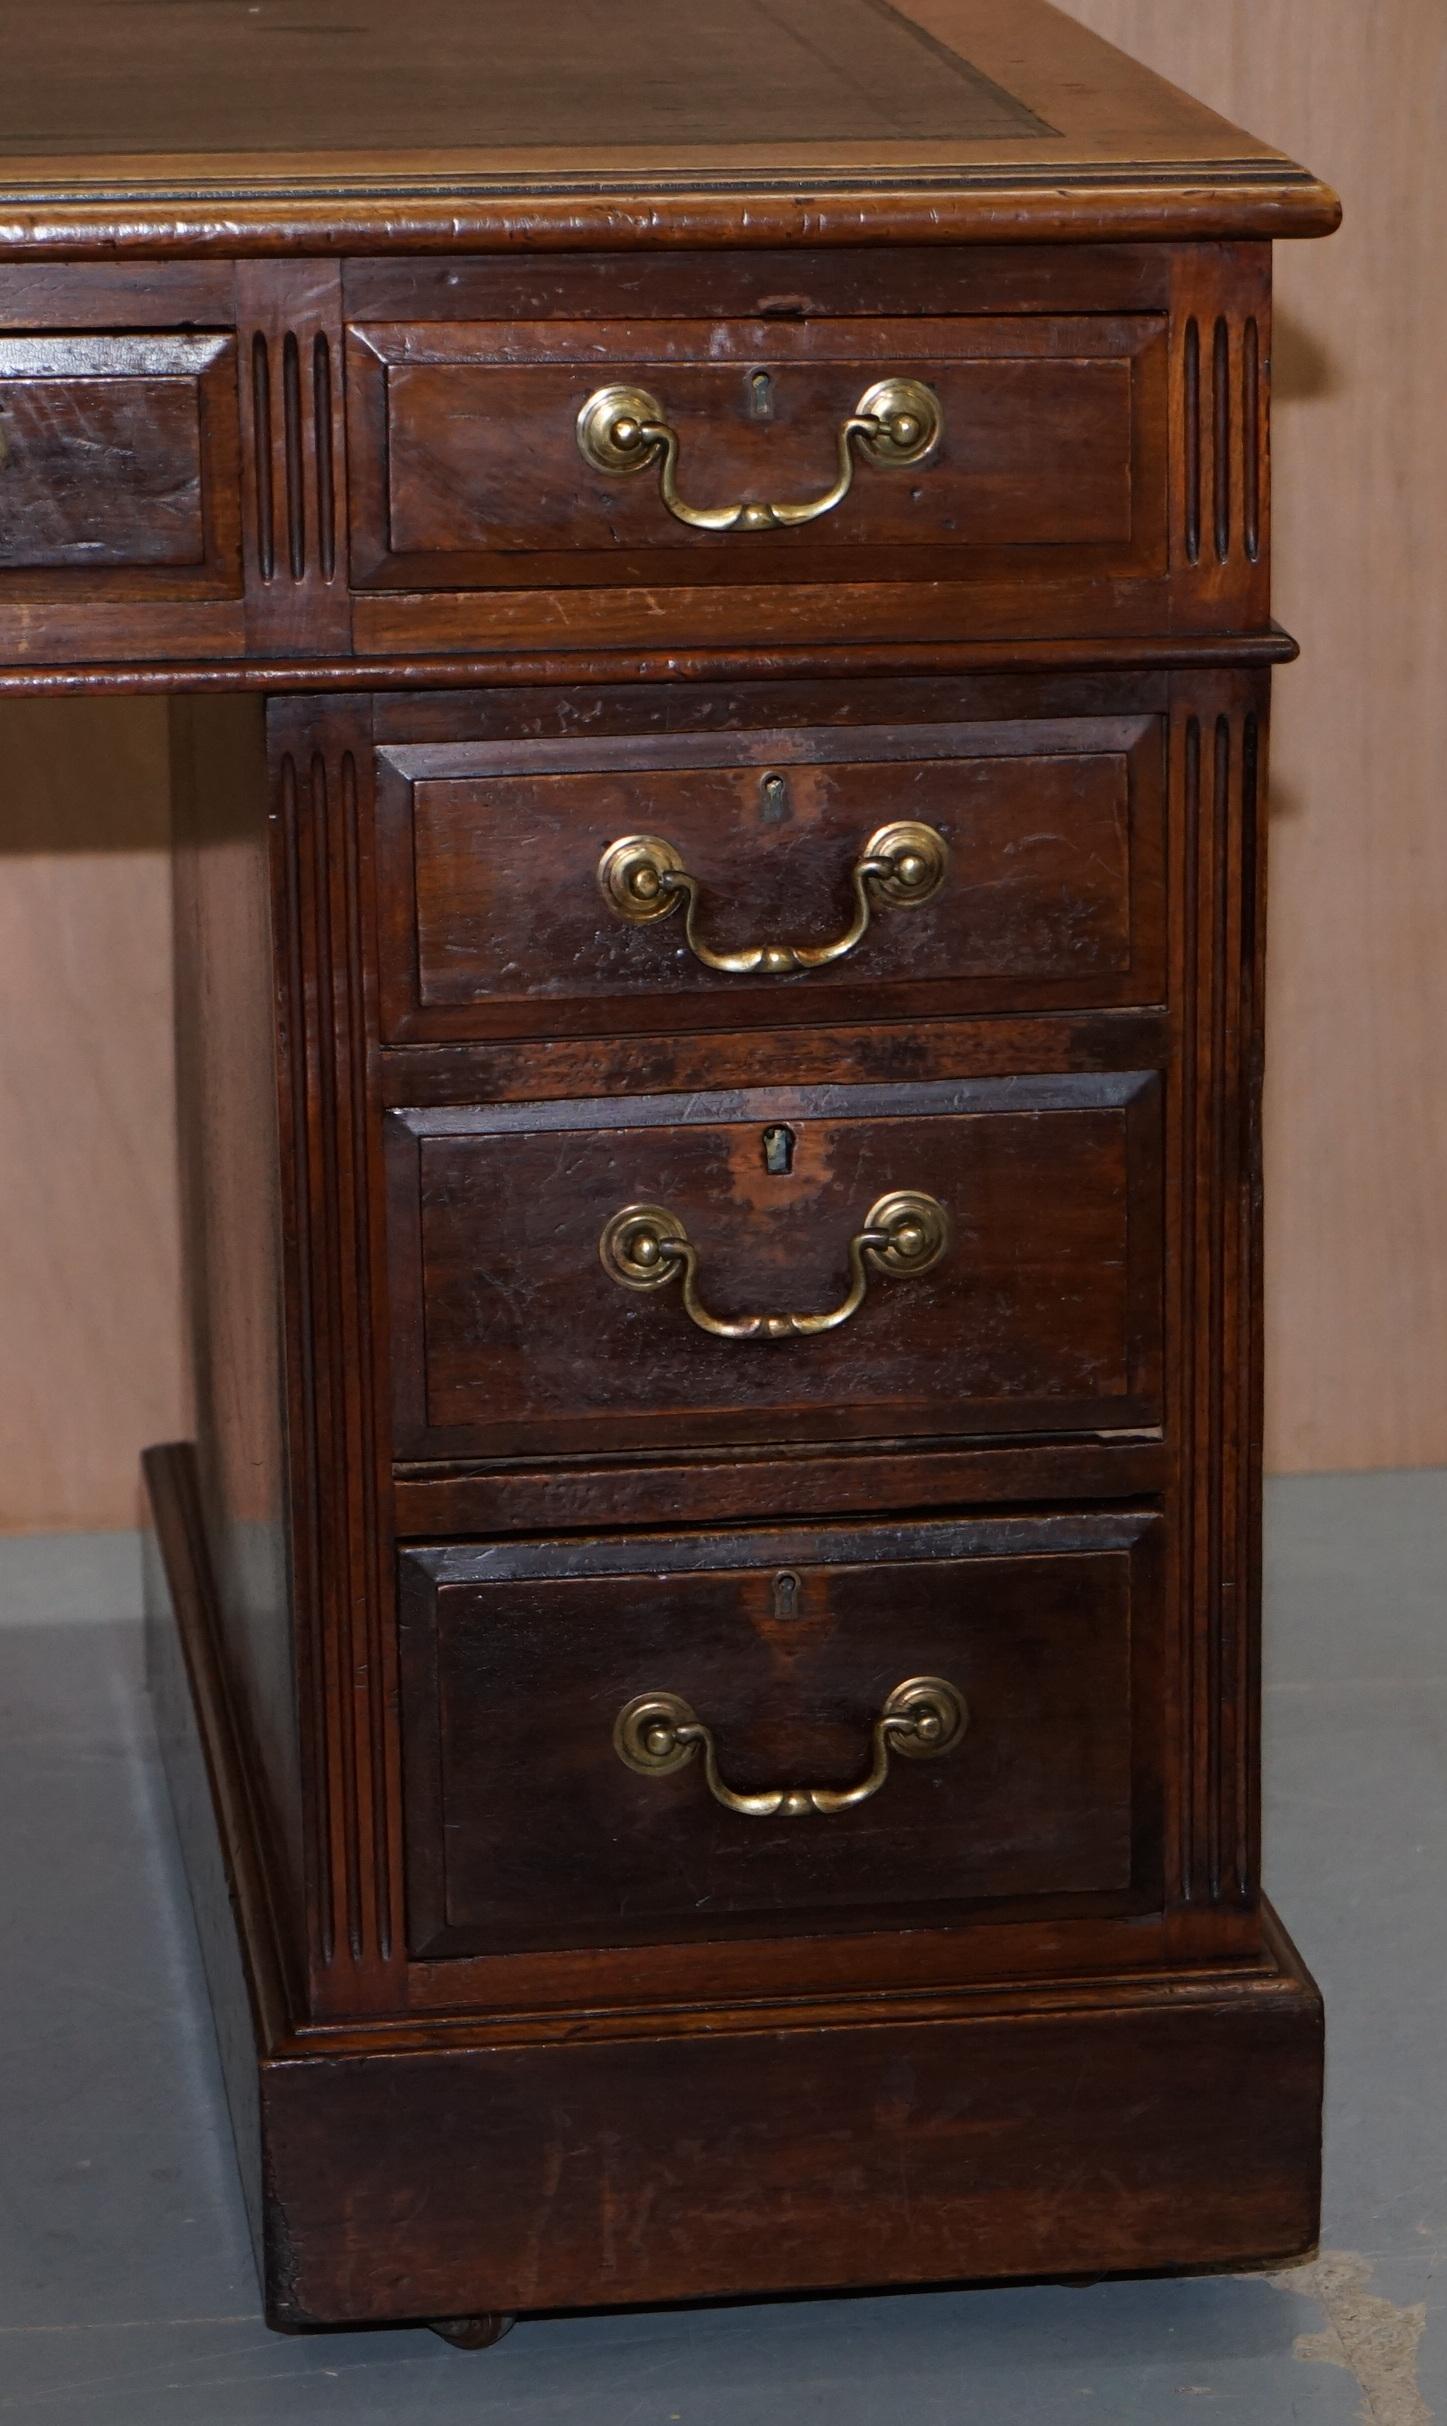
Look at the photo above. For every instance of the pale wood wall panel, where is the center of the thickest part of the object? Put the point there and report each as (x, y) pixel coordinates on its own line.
(1357, 1099)
(89, 1265)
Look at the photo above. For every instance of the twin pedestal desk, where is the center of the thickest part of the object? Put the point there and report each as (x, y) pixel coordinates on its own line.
(714, 581)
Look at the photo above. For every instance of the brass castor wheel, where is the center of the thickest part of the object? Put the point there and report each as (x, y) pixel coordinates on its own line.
(473, 2332)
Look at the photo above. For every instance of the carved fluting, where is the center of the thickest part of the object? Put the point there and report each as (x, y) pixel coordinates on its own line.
(1191, 437)
(344, 1652)
(1221, 497)
(323, 408)
(295, 1040)
(1219, 754)
(293, 461)
(294, 452)
(1252, 417)
(1221, 435)
(289, 505)
(263, 503)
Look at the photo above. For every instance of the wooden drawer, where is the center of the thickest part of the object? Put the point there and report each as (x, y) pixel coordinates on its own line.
(469, 469)
(118, 467)
(521, 892)
(538, 1815)
(530, 1313)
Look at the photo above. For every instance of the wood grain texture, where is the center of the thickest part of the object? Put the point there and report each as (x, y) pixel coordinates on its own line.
(1353, 1373)
(1046, 507)
(578, 1988)
(118, 467)
(418, 675)
(1011, 2169)
(100, 451)
(860, 283)
(335, 1351)
(1052, 503)
(984, 2143)
(486, 1181)
(89, 1234)
(231, 1225)
(494, 921)
(540, 1837)
(1357, 1300)
(469, 433)
(233, 1897)
(1356, 1144)
(1043, 1314)
(469, 121)
(293, 455)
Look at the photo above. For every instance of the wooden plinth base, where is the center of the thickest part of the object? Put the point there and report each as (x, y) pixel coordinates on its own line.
(406, 2171)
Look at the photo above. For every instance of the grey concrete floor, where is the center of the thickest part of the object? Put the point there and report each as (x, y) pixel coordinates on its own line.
(126, 2288)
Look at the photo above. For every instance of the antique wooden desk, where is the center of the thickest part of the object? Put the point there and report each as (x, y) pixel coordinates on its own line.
(714, 572)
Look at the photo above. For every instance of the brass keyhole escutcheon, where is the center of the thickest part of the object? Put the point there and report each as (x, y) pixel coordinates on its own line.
(788, 1595)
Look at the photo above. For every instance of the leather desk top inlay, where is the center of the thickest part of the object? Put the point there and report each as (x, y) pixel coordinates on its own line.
(289, 108)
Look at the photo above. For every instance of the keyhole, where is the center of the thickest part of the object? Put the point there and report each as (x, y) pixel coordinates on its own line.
(761, 396)
(778, 1152)
(786, 1594)
(774, 795)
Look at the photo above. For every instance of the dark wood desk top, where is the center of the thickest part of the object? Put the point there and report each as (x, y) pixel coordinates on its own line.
(251, 125)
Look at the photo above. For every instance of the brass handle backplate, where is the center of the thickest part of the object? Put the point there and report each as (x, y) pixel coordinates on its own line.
(897, 422)
(923, 1718)
(901, 865)
(904, 1235)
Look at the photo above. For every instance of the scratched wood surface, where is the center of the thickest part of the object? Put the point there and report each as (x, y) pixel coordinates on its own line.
(1042, 1616)
(1047, 1189)
(452, 86)
(1357, 1154)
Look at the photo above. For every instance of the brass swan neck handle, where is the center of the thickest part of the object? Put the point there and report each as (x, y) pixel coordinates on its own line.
(901, 866)
(647, 1246)
(658, 1733)
(897, 422)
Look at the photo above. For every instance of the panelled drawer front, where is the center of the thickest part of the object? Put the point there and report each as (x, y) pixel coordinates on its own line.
(526, 1829)
(467, 469)
(118, 466)
(498, 920)
(515, 1335)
